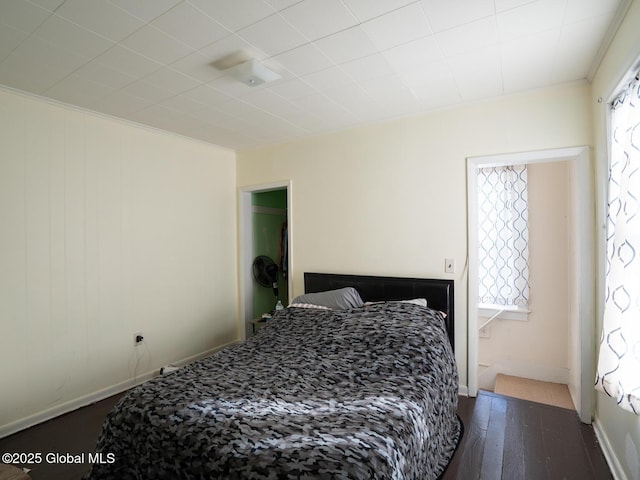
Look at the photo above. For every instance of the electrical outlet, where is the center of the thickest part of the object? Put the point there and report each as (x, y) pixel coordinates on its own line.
(138, 339)
(449, 265)
(485, 332)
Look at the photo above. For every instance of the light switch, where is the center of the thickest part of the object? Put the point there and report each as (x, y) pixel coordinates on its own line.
(449, 265)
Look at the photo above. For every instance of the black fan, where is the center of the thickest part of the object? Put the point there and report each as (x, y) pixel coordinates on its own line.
(265, 272)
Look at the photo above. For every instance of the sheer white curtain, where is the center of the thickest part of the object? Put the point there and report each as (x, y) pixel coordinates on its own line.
(503, 236)
(618, 372)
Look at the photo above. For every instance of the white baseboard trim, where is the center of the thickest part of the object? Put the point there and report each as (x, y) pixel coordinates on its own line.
(605, 445)
(56, 411)
(463, 390)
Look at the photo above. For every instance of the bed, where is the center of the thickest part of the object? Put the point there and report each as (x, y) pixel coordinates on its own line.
(366, 392)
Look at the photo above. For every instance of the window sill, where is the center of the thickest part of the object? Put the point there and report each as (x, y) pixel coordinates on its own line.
(506, 313)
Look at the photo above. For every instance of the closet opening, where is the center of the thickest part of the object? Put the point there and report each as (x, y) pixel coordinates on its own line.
(269, 267)
(265, 256)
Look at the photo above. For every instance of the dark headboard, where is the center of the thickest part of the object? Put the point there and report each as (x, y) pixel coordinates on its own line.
(439, 293)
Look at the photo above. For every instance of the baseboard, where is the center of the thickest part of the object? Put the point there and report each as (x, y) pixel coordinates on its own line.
(463, 390)
(605, 445)
(56, 411)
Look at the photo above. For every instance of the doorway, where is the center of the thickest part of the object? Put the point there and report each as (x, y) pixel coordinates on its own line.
(580, 345)
(269, 225)
(263, 210)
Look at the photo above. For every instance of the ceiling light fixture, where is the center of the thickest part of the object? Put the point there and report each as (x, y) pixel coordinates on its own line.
(252, 73)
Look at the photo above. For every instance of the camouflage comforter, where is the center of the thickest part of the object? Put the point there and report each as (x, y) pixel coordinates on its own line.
(367, 393)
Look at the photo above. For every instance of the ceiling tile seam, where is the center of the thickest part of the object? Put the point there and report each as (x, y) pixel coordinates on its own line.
(43, 8)
(86, 59)
(149, 24)
(112, 46)
(168, 66)
(298, 77)
(73, 72)
(310, 41)
(281, 98)
(426, 19)
(556, 50)
(275, 12)
(380, 15)
(207, 84)
(239, 32)
(233, 131)
(332, 101)
(448, 29)
(87, 81)
(173, 95)
(263, 110)
(443, 57)
(306, 44)
(115, 90)
(500, 55)
(509, 9)
(268, 2)
(28, 34)
(145, 22)
(202, 12)
(111, 42)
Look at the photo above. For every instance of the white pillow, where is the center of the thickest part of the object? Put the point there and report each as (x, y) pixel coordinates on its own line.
(416, 301)
(422, 302)
(308, 305)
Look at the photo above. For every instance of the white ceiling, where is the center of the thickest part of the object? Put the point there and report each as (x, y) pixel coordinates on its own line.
(343, 62)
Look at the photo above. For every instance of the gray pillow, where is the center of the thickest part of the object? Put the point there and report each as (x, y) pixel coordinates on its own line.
(341, 299)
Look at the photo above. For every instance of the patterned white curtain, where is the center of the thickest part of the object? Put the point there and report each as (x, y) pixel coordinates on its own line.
(618, 372)
(503, 236)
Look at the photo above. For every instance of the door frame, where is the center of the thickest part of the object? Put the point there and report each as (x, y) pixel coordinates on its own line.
(245, 258)
(584, 263)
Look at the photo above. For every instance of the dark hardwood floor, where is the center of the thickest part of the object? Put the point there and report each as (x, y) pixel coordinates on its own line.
(508, 438)
(504, 438)
(75, 433)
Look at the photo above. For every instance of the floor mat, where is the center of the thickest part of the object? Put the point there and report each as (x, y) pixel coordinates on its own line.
(555, 394)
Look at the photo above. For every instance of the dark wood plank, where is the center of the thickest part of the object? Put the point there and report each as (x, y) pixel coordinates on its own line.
(465, 412)
(535, 461)
(561, 454)
(513, 458)
(475, 435)
(598, 463)
(494, 442)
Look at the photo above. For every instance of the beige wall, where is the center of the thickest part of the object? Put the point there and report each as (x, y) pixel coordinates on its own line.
(391, 199)
(537, 348)
(619, 429)
(106, 229)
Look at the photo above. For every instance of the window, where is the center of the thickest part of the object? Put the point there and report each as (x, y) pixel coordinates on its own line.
(619, 355)
(503, 238)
